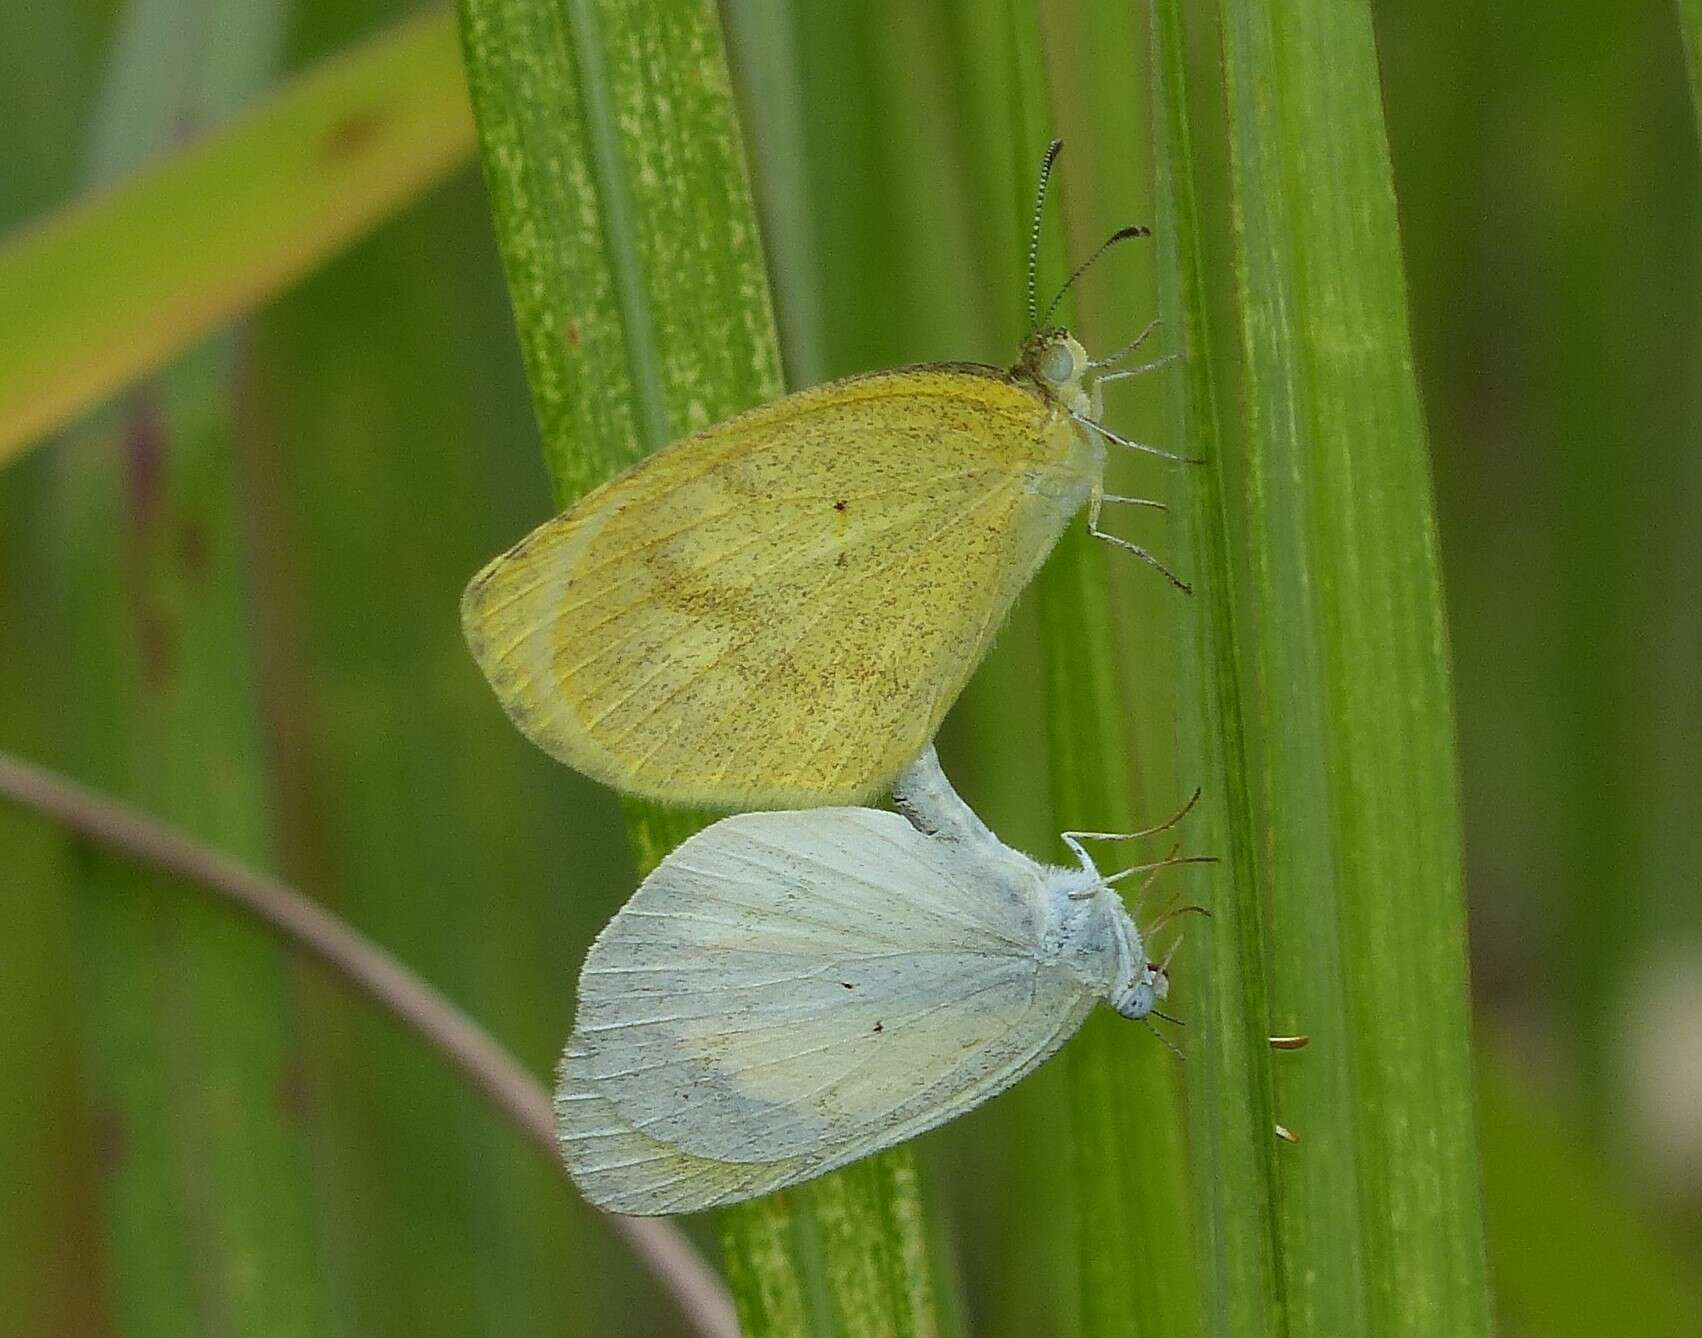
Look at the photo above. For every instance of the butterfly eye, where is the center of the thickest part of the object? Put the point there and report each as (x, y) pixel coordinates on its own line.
(1058, 364)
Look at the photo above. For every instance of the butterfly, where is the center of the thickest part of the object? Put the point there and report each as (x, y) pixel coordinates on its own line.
(789, 992)
(782, 608)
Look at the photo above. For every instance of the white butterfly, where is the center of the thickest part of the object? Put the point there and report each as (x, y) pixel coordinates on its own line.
(790, 992)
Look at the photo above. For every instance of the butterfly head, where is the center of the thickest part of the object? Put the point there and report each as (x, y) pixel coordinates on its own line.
(1054, 361)
(1142, 994)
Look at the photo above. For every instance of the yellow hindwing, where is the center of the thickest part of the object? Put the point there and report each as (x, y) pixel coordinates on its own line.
(781, 609)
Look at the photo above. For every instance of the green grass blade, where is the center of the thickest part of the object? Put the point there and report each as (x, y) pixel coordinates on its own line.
(210, 1220)
(1229, 1074)
(763, 45)
(1128, 1163)
(50, 1269)
(1381, 1222)
(617, 182)
(115, 285)
(1690, 29)
(399, 797)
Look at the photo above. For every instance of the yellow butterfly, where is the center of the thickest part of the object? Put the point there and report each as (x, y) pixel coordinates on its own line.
(780, 609)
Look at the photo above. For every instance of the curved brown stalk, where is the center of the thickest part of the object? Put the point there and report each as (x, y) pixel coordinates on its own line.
(303, 924)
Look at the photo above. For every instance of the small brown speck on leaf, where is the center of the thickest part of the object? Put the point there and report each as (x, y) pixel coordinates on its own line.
(158, 648)
(193, 547)
(294, 1100)
(144, 440)
(111, 1144)
(351, 134)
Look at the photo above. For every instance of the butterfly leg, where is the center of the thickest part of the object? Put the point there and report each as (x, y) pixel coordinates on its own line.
(1116, 499)
(1080, 851)
(1093, 529)
(1074, 841)
(1168, 1043)
(1164, 826)
(925, 798)
(1141, 370)
(1113, 359)
(1118, 439)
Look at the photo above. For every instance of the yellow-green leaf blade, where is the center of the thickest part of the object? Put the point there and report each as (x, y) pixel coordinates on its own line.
(114, 285)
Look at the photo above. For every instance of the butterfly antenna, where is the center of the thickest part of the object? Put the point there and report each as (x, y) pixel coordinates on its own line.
(1121, 235)
(1052, 151)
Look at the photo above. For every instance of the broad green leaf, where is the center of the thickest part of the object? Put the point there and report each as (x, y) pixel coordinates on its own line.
(190, 1059)
(117, 283)
(1129, 1163)
(1352, 760)
(1690, 29)
(1229, 1073)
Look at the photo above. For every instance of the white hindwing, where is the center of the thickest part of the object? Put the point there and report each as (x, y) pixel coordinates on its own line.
(788, 993)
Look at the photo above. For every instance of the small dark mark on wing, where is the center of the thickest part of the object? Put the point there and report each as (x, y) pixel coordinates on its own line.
(879, 1027)
(847, 984)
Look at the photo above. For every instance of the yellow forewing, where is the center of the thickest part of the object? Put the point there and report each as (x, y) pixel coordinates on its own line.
(781, 609)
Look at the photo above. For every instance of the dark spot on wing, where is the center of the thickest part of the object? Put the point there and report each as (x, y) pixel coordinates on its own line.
(839, 505)
(847, 984)
(879, 1027)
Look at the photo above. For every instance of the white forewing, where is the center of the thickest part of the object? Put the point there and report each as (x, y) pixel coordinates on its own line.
(790, 992)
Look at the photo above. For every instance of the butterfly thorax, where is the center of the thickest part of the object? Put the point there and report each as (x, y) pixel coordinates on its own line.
(1089, 933)
(1085, 930)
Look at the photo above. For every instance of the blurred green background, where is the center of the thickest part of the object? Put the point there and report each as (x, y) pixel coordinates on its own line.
(230, 595)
